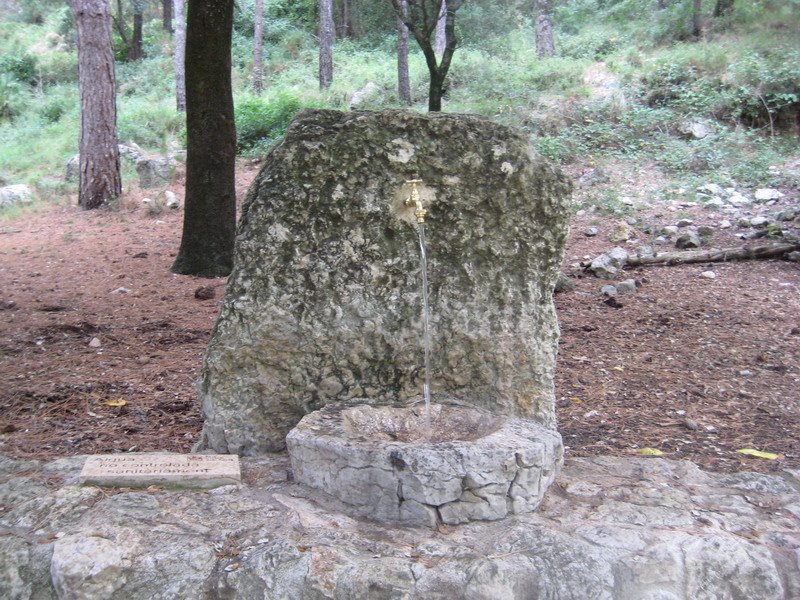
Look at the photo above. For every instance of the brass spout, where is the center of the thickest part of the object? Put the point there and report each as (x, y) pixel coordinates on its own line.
(415, 201)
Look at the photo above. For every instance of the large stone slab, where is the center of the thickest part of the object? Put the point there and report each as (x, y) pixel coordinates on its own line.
(611, 528)
(144, 469)
(324, 302)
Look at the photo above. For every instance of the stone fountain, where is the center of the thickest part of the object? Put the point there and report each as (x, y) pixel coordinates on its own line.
(324, 311)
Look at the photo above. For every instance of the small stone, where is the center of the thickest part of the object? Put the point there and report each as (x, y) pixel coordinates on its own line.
(147, 200)
(708, 275)
(725, 224)
(745, 373)
(143, 360)
(593, 177)
(712, 189)
(684, 223)
(608, 290)
(790, 214)
(563, 284)
(710, 429)
(630, 221)
(580, 213)
(691, 424)
(661, 240)
(121, 290)
(626, 200)
(737, 199)
(759, 221)
(606, 266)
(669, 230)
(205, 292)
(744, 223)
(171, 200)
(591, 231)
(764, 194)
(690, 239)
(622, 232)
(794, 256)
(626, 287)
(95, 343)
(645, 251)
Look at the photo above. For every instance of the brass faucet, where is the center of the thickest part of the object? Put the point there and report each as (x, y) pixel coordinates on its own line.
(416, 201)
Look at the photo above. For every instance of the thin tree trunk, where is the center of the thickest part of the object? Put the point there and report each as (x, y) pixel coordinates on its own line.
(545, 47)
(403, 79)
(180, 53)
(258, 49)
(697, 19)
(167, 14)
(136, 52)
(100, 179)
(441, 38)
(210, 211)
(698, 256)
(347, 26)
(325, 43)
(723, 8)
(119, 24)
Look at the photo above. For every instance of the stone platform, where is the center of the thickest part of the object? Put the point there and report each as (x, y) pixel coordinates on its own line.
(609, 528)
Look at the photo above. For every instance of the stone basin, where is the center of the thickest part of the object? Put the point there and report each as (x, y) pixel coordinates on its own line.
(388, 464)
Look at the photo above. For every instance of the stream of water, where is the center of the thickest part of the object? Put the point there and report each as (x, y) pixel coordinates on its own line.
(426, 340)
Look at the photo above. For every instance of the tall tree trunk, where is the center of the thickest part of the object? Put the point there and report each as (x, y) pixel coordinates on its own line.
(697, 19)
(403, 79)
(135, 51)
(723, 8)
(325, 43)
(167, 14)
(441, 38)
(258, 49)
(180, 54)
(545, 47)
(100, 179)
(209, 221)
(347, 25)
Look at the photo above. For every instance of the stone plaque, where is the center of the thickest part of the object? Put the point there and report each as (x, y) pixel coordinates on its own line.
(179, 470)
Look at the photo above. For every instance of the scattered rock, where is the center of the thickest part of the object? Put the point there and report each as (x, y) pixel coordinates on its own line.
(684, 223)
(608, 290)
(645, 251)
(130, 151)
(121, 290)
(774, 230)
(369, 93)
(715, 202)
(691, 424)
(689, 239)
(171, 200)
(563, 284)
(759, 221)
(764, 194)
(669, 230)
(95, 343)
(712, 188)
(708, 275)
(744, 223)
(205, 292)
(790, 214)
(661, 240)
(626, 200)
(72, 173)
(794, 256)
(140, 255)
(737, 199)
(705, 232)
(626, 287)
(593, 177)
(155, 171)
(591, 231)
(725, 224)
(607, 265)
(146, 201)
(622, 232)
(16, 194)
(694, 130)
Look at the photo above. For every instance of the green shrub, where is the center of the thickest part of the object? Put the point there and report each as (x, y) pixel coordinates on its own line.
(21, 67)
(593, 43)
(260, 123)
(12, 96)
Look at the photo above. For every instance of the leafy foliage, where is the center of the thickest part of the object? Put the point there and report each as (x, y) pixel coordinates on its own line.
(260, 123)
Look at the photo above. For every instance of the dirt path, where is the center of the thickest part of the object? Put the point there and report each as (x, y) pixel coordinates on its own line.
(696, 368)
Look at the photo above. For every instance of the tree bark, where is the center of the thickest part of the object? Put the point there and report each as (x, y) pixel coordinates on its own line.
(258, 49)
(441, 38)
(403, 78)
(325, 43)
(100, 179)
(545, 47)
(723, 8)
(180, 56)
(135, 52)
(421, 19)
(167, 14)
(724, 255)
(697, 19)
(210, 209)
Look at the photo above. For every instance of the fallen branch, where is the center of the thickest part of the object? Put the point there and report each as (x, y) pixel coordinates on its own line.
(726, 254)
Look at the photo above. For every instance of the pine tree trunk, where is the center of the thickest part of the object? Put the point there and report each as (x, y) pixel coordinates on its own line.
(697, 19)
(545, 47)
(100, 179)
(346, 28)
(403, 79)
(325, 43)
(441, 38)
(210, 209)
(180, 56)
(136, 52)
(167, 14)
(258, 49)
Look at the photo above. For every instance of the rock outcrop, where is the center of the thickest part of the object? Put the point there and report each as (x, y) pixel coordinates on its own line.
(324, 303)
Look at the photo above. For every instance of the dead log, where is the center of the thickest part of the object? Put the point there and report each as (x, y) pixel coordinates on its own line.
(724, 255)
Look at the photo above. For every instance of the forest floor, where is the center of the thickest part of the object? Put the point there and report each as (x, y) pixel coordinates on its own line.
(100, 344)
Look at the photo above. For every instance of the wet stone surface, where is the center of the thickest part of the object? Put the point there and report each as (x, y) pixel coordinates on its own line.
(385, 463)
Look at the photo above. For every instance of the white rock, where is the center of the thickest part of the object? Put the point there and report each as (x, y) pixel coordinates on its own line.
(95, 343)
(171, 200)
(737, 199)
(121, 290)
(16, 194)
(725, 224)
(764, 194)
(708, 274)
(711, 188)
